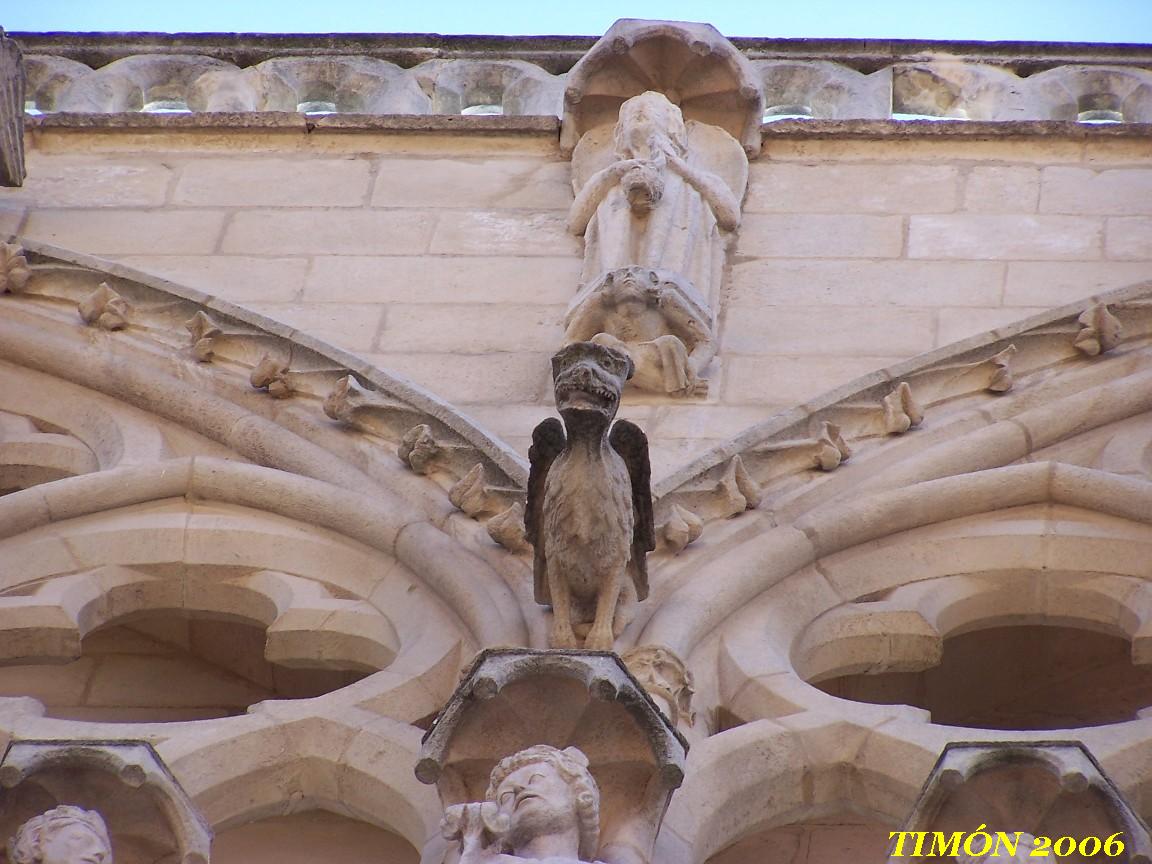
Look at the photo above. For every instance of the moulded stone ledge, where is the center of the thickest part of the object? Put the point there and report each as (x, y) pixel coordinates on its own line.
(821, 79)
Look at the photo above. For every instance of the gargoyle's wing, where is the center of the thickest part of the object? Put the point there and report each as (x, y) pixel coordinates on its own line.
(11, 113)
(548, 442)
(632, 444)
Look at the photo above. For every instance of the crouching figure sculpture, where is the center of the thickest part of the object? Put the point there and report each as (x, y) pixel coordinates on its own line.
(542, 804)
(63, 835)
(589, 509)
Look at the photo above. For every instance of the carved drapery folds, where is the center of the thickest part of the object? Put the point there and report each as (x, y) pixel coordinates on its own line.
(603, 742)
(650, 118)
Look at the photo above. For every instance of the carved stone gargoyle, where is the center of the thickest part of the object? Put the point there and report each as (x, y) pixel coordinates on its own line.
(589, 511)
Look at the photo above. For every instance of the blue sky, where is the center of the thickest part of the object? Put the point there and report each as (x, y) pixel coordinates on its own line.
(987, 20)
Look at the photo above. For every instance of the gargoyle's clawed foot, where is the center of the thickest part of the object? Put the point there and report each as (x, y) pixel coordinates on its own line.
(599, 639)
(563, 637)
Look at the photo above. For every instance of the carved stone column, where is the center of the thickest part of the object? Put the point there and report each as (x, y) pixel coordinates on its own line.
(659, 118)
(12, 83)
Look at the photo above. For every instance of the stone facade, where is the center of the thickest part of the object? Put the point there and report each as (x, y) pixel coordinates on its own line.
(268, 381)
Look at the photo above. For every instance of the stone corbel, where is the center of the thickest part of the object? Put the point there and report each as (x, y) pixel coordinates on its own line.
(510, 702)
(125, 781)
(657, 319)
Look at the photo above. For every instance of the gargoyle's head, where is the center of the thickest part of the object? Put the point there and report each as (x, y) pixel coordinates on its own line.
(588, 379)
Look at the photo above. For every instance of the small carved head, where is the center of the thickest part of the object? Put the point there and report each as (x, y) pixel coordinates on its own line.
(63, 835)
(650, 125)
(588, 379)
(542, 790)
(664, 674)
(631, 285)
(643, 186)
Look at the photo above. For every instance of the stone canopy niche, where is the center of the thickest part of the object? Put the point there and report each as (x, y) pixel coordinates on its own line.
(511, 701)
(1048, 789)
(149, 817)
(693, 65)
(659, 120)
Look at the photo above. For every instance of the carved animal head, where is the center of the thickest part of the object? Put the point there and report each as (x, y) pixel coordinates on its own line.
(588, 379)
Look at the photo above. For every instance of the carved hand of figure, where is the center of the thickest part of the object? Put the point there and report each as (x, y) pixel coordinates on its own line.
(625, 165)
(677, 163)
(474, 825)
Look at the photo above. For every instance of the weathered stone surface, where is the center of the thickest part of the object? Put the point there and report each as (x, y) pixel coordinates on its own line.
(1034, 284)
(352, 326)
(479, 183)
(803, 282)
(1115, 192)
(1003, 189)
(128, 232)
(908, 188)
(1007, 237)
(956, 324)
(270, 182)
(820, 236)
(238, 278)
(81, 181)
(448, 279)
(869, 331)
(470, 327)
(1129, 238)
(512, 232)
(352, 232)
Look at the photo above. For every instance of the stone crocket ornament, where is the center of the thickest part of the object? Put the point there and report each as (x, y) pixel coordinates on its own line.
(589, 510)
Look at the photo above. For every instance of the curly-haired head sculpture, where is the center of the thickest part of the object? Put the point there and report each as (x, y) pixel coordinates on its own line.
(63, 835)
(543, 789)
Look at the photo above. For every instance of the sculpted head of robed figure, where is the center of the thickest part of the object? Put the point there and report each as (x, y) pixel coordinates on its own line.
(63, 835)
(544, 793)
(649, 126)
